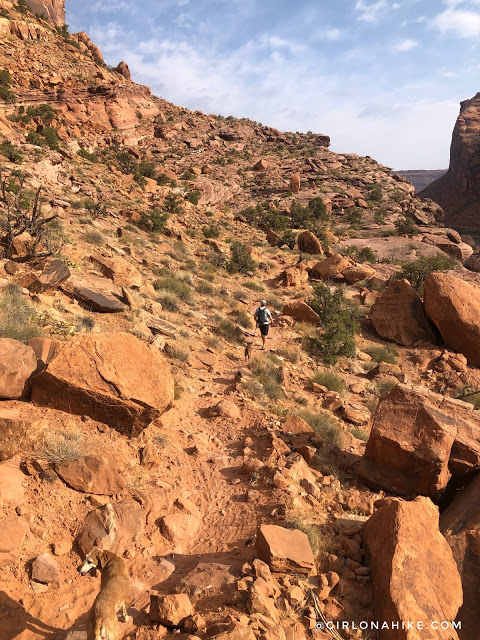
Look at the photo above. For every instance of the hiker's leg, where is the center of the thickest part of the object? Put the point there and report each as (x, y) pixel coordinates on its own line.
(263, 339)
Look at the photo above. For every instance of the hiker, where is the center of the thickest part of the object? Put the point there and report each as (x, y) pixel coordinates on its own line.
(263, 317)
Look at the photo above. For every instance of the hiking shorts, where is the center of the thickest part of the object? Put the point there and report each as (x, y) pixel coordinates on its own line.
(264, 329)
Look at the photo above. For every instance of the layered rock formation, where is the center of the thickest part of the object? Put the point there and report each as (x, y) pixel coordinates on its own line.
(458, 191)
(51, 10)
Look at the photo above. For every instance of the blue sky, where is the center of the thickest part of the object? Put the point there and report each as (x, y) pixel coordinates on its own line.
(382, 77)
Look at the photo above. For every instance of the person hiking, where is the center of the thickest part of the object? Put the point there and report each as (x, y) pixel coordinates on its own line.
(263, 318)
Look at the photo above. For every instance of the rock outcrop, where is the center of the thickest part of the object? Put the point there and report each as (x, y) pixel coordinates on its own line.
(414, 575)
(460, 524)
(51, 10)
(454, 307)
(418, 440)
(17, 363)
(458, 191)
(103, 376)
(398, 315)
(284, 549)
(301, 311)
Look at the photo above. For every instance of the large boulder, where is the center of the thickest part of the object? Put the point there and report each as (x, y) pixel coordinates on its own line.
(22, 426)
(91, 474)
(114, 527)
(122, 272)
(398, 315)
(170, 610)
(116, 379)
(17, 363)
(332, 268)
(54, 274)
(309, 243)
(301, 311)
(95, 293)
(460, 524)
(45, 569)
(285, 550)
(414, 575)
(418, 440)
(454, 307)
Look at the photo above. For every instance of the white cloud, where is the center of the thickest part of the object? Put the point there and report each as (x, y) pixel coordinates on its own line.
(405, 45)
(459, 19)
(370, 11)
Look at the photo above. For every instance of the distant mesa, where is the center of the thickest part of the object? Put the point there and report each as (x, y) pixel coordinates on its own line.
(458, 191)
(421, 178)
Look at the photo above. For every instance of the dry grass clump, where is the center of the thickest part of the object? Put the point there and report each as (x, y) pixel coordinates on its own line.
(267, 377)
(330, 380)
(17, 316)
(325, 426)
(59, 447)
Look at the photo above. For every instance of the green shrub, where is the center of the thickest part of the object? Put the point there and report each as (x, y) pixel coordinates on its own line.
(86, 155)
(366, 255)
(383, 354)
(93, 237)
(169, 301)
(354, 216)
(17, 316)
(330, 380)
(205, 288)
(153, 220)
(10, 151)
(375, 193)
(193, 197)
(230, 331)
(163, 180)
(385, 387)
(6, 94)
(406, 227)
(379, 216)
(416, 272)
(211, 231)
(240, 260)
(174, 285)
(325, 426)
(339, 321)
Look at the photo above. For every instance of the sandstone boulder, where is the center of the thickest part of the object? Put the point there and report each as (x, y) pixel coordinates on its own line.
(332, 268)
(301, 311)
(178, 527)
(45, 569)
(295, 183)
(285, 550)
(17, 363)
(123, 69)
(294, 276)
(113, 527)
(237, 631)
(418, 440)
(91, 474)
(95, 293)
(103, 376)
(170, 610)
(54, 274)
(309, 243)
(414, 575)
(398, 315)
(45, 350)
(460, 524)
(357, 272)
(122, 272)
(454, 307)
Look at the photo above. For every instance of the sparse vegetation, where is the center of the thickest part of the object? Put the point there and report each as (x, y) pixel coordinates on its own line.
(339, 320)
(268, 374)
(17, 316)
(6, 94)
(10, 151)
(230, 331)
(416, 272)
(93, 237)
(387, 354)
(325, 426)
(330, 380)
(174, 286)
(63, 446)
(240, 259)
(406, 227)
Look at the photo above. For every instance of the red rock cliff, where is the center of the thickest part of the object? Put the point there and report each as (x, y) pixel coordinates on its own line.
(458, 191)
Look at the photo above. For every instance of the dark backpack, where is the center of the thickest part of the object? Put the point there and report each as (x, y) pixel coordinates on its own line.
(262, 316)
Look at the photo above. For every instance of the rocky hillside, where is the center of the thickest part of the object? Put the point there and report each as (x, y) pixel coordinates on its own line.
(458, 190)
(421, 178)
(266, 497)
